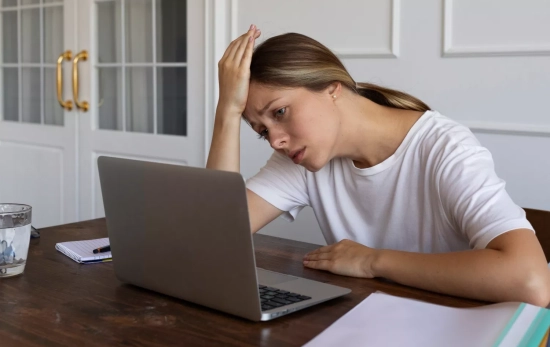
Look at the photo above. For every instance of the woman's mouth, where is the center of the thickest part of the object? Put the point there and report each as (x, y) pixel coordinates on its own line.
(298, 156)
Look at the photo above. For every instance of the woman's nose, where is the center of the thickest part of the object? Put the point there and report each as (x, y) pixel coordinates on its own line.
(277, 139)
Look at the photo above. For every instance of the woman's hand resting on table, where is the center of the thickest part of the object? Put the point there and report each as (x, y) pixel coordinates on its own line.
(346, 258)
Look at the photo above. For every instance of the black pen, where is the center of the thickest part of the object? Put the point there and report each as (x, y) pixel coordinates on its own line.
(102, 249)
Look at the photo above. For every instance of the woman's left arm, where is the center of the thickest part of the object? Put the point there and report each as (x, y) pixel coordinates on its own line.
(511, 268)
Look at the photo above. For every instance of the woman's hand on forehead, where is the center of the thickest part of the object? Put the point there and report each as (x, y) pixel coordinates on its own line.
(234, 73)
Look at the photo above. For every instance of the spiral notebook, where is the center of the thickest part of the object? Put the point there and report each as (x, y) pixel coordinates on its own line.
(82, 251)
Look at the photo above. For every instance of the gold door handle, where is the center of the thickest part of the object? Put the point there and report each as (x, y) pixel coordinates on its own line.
(68, 105)
(83, 105)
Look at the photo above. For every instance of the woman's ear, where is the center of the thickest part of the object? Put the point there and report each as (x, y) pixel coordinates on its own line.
(335, 90)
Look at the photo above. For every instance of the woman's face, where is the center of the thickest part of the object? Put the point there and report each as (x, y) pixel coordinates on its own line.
(298, 123)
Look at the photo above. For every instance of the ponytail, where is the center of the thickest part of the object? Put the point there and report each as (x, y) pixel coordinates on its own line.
(390, 98)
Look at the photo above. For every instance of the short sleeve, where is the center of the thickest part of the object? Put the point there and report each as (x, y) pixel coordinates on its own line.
(474, 198)
(281, 183)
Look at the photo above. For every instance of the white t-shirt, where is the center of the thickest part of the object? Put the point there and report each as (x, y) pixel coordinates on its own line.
(437, 193)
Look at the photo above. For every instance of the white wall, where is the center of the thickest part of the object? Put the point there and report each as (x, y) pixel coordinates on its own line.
(483, 63)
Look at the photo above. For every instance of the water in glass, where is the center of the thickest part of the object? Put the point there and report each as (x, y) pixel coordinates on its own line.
(15, 231)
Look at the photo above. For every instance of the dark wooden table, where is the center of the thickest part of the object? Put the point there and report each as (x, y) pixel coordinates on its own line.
(57, 302)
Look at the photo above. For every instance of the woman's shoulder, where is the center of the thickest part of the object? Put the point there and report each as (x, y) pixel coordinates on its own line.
(446, 141)
(443, 132)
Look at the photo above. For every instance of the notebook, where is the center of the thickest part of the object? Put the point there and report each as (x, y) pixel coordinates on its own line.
(82, 251)
(385, 320)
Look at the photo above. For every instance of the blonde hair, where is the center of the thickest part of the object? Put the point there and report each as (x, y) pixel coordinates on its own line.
(295, 60)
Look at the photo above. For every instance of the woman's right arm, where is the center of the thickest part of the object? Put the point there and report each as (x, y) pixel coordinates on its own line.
(234, 80)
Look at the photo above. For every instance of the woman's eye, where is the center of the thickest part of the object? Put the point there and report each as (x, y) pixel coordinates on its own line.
(263, 134)
(280, 112)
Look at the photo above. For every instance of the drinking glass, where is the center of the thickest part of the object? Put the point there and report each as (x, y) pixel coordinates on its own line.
(15, 232)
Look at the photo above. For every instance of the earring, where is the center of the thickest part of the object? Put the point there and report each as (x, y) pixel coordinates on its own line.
(334, 96)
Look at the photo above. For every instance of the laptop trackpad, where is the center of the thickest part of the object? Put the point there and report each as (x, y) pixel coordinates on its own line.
(270, 278)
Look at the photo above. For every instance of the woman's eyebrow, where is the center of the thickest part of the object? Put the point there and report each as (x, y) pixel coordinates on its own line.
(262, 111)
(252, 124)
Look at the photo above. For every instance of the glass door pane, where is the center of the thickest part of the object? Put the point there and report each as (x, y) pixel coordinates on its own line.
(30, 35)
(139, 99)
(109, 41)
(53, 33)
(9, 3)
(10, 95)
(30, 79)
(9, 37)
(172, 100)
(53, 112)
(109, 106)
(171, 27)
(52, 37)
(139, 31)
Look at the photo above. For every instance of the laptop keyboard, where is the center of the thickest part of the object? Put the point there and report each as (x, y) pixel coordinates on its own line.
(272, 297)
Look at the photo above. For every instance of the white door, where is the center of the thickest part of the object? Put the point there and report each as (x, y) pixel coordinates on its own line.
(144, 82)
(37, 135)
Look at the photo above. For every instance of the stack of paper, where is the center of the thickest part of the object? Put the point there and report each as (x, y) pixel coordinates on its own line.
(82, 251)
(386, 320)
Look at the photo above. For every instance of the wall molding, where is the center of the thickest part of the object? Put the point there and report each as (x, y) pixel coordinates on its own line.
(393, 52)
(482, 51)
(508, 128)
(350, 53)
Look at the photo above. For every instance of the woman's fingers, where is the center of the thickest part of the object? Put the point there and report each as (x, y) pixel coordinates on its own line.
(227, 51)
(324, 249)
(234, 46)
(318, 256)
(248, 49)
(243, 43)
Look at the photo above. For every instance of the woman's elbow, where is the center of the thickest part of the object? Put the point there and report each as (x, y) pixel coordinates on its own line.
(536, 288)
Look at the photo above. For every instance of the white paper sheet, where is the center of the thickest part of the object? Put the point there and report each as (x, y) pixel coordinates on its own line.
(386, 320)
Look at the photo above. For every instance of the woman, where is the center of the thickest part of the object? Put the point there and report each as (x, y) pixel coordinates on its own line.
(399, 191)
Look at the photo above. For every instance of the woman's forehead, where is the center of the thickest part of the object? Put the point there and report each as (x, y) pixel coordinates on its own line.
(259, 96)
(259, 92)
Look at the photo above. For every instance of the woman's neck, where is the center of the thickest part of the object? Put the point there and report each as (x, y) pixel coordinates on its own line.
(371, 133)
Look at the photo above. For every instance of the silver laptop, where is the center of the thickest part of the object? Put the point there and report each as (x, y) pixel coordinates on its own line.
(185, 232)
